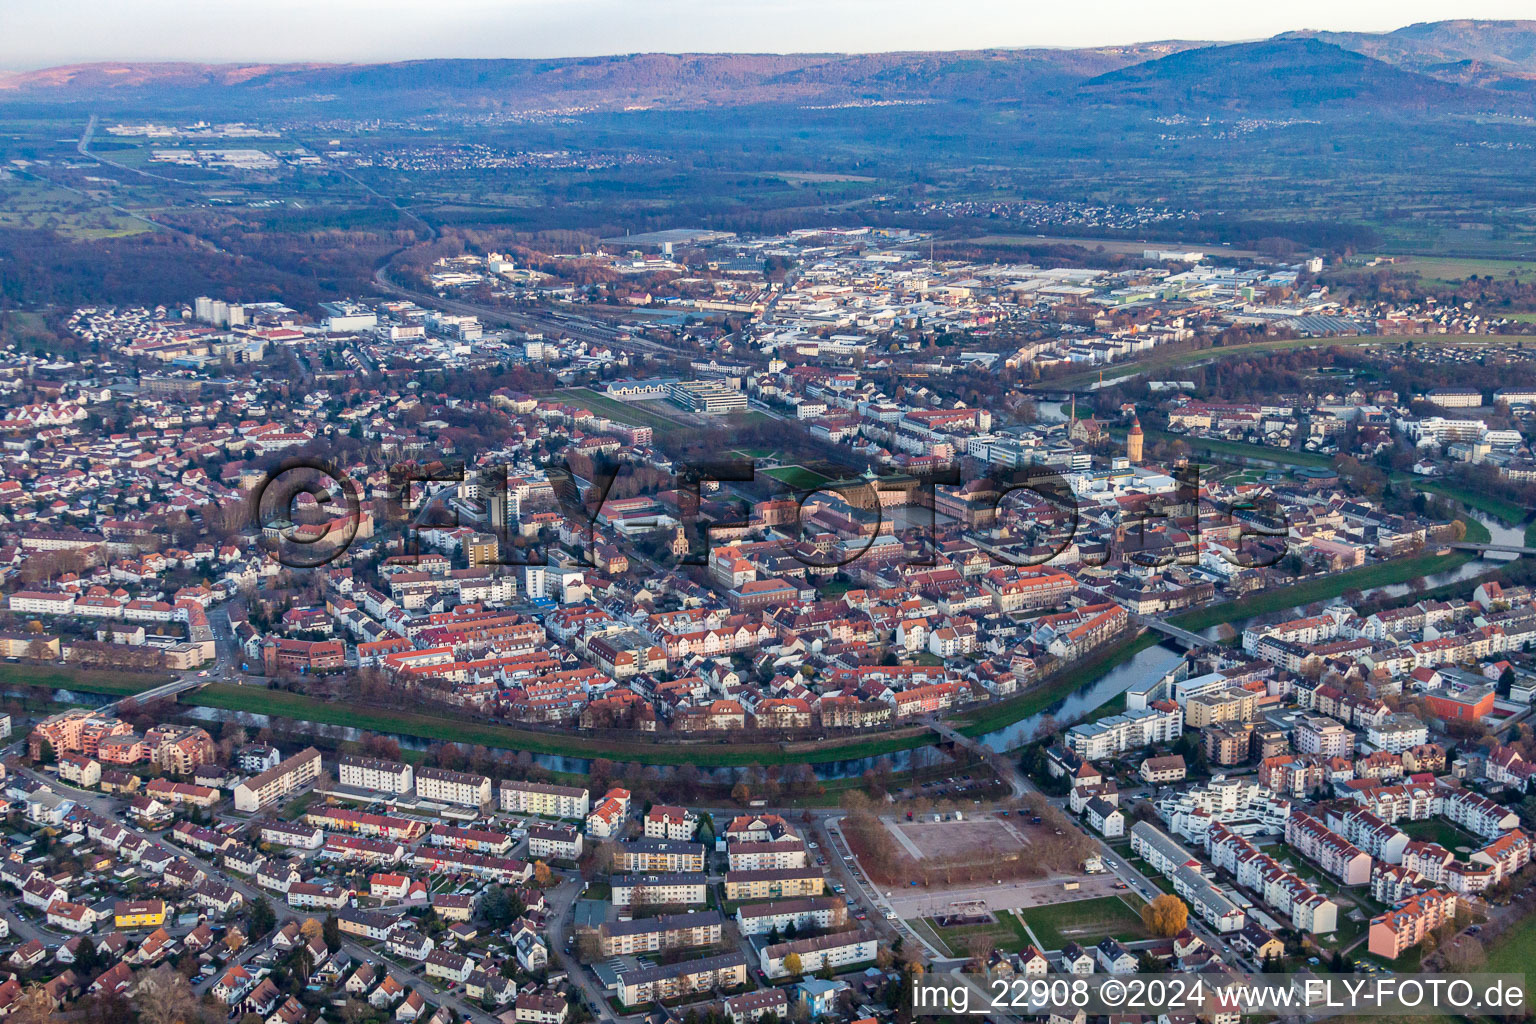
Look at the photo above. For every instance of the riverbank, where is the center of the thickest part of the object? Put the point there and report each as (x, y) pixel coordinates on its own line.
(1321, 588)
(104, 681)
(722, 754)
(1006, 712)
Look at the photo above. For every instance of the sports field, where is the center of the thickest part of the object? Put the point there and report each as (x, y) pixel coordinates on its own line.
(1084, 922)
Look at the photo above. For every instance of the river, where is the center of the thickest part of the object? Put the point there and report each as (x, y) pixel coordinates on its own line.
(1144, 666)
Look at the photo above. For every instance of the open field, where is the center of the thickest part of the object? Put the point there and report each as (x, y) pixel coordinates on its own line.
(1084, 922)
(982, 838)
(1436, 830)
(1171, 360)
(796, 476)
(1005, 933)
(1452, 270)
(623, 412)
(816, 177)
(90, 680)
(1023, 897)
(38, 205)
(1515, 951)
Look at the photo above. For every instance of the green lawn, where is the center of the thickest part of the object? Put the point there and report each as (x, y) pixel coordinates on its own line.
(623, 412)
(1006, 933)
(1515, 951)
(90, 680)
(1452, 270)
(1499, 508)
(797, 477)
(1435, 830)
(1085, 922)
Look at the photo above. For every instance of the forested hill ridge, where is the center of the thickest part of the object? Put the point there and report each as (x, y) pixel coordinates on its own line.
(1481, 65)
(1494, 54)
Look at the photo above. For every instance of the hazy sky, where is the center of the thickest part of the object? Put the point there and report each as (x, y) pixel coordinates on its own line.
(39, 33)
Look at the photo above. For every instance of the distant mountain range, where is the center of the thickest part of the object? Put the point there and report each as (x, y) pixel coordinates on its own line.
(1450, 65)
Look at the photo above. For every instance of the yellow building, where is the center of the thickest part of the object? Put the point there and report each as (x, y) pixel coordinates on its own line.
(139, 914)
(482, 549)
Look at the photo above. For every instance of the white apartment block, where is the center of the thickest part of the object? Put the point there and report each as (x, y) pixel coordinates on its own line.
(1323, 736)
(275, 783)
(680, 888)
(463, 789)
(1174, 862)
(1285, 893)
(544, 800)
(664, 822)
(1381, 840)
(822, 912)
(554, 842)
(1162, 722)
(1397, 733)
(376, 775)
(836, 950)
(1242, 805)
(1332, 852)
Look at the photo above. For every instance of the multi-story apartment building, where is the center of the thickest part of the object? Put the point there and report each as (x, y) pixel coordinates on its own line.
(1228, 743)
(544, 800)
(1159, 722)
(1285, 893)
(1233, 704)
(658, 855)
(818, 912)
(76, 731)
(835, 951)
(287, 833)
(1174, 862)
(554, 842)
(462, 789)
(291, 774)
(179, 749)
(1378, 838)
(1398, 930)
(772, 885)
(607, 818)
(766, 856)
(318, 895)
(1243, 805)
(1331, 851)
(672, 981)
(1397, 733)
(375, 774)
(672, 888)
(664, 822)
(655, 934)
(1323, 737)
